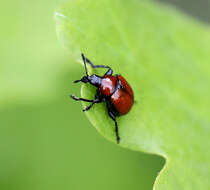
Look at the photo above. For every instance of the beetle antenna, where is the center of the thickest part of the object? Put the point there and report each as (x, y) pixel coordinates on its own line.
(84, 61)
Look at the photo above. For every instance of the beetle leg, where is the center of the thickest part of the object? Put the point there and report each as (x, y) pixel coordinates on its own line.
(94, 102)
(109, 72)
(113, 117)
(80, 99)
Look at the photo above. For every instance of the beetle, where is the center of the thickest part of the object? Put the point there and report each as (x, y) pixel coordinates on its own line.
(112, 89)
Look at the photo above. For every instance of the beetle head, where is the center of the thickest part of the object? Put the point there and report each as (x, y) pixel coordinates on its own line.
(83, 79)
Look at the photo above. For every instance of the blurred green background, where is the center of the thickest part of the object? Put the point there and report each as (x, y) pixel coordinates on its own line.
(46, 142)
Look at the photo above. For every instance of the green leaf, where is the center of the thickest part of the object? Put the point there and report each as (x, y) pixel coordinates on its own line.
(165, 57)
(43, 134)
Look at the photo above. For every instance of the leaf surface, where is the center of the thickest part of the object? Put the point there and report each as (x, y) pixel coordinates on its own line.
(164, 55)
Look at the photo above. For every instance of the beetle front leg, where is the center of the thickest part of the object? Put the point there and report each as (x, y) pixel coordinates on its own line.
(85, 59)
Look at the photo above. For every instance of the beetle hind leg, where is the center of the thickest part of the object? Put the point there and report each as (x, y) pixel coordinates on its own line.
(112, 115)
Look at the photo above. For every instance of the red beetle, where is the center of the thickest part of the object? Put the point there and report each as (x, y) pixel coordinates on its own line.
(114, 90)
